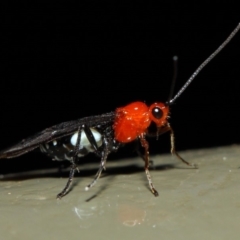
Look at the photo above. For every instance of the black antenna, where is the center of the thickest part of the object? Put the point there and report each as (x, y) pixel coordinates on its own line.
(204, 64)
(175, 71)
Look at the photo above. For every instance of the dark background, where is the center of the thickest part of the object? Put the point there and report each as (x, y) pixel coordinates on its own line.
(63, 62)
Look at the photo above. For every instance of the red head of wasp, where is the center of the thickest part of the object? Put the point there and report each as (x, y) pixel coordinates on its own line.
(105, 133)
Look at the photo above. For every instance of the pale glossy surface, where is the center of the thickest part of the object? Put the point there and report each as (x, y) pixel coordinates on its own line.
(194, 204)
(84, 141)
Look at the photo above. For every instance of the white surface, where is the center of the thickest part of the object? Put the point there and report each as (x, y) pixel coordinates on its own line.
(194, 204)
(84, 140)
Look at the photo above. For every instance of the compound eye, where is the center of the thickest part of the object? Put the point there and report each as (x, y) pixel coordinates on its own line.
(157, 112)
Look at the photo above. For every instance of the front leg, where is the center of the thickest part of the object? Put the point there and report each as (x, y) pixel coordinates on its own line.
(173, 150)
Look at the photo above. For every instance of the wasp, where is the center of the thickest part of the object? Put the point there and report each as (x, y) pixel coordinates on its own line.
(103, 134)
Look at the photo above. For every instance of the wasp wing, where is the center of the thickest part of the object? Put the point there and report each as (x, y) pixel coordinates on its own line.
(56, 132)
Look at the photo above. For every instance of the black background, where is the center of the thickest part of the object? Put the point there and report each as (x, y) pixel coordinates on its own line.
(63, 62)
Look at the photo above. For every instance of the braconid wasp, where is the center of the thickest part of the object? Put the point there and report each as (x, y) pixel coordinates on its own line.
(105, 133)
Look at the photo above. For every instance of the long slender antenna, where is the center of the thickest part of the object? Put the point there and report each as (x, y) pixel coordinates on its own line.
(204, 64)
(175, 71)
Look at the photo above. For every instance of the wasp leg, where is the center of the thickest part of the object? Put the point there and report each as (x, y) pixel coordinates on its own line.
(69, 182)
(102, 166)
(91, 139)
(73, 166)
(151, 162)
(173, 151)
(145, 145)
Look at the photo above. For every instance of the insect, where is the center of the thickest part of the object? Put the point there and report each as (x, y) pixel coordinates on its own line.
(105, 133)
